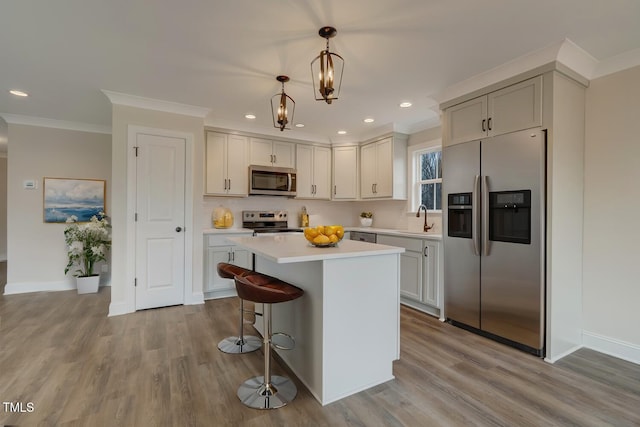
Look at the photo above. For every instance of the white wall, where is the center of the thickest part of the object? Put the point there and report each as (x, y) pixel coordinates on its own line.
(611, 270)
(3, 206)
(36, 250)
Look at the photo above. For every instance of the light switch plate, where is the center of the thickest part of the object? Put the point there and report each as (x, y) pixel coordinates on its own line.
(30, 184)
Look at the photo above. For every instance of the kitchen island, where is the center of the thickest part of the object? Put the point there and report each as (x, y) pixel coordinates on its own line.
(347, 323)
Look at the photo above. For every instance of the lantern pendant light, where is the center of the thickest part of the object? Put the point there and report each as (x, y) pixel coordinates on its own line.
(326, 70)
(280, 109)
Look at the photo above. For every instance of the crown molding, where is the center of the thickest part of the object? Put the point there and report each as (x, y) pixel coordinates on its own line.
(127, 100)
(565, 52)
(19, 119)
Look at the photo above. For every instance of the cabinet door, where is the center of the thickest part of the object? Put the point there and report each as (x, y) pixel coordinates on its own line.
(431, 294)
(345, 173)
(367, 170)
(322, 172)
(213, 282)
(215, 174)
(242, 258)
(384, 168)
(304, 179)
(284, 154)
(466, 121)
(516, 107)
(411, 275)
(261, 152)
(237, 167)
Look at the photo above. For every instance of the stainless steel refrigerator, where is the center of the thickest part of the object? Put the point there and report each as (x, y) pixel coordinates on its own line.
(494, 239)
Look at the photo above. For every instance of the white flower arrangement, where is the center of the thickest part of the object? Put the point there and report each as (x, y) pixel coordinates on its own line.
(87, 243)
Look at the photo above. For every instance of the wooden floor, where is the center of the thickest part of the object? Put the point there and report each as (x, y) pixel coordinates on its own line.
(161, 367)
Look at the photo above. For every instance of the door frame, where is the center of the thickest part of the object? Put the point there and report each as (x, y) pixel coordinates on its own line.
(132, 132)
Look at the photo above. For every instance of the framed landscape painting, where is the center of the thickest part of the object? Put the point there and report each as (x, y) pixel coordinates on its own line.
(64, 197)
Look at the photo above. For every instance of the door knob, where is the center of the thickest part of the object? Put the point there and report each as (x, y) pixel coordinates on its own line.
(178, 229)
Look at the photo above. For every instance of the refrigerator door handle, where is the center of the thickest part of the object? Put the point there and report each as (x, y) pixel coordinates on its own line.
(485, 215)
(475, 215)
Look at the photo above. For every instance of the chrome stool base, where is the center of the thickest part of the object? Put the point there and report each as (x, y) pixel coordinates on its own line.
(254, 393)
(237, 345)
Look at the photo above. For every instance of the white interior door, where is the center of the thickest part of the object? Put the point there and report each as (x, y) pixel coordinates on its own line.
(160, 212)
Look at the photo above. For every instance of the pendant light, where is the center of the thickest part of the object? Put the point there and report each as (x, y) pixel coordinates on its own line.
(326, 70)
(280, 109)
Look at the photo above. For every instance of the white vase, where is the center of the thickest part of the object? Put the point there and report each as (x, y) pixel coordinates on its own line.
(89, 284)
(366, 222)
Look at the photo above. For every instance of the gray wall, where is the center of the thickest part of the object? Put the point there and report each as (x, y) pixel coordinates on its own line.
(611, 269)
(36, 250)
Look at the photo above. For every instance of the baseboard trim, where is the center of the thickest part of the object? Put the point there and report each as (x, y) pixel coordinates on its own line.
(119, 308)
(611, 346)
(196, 298)
(28, 287)
(54, 286)
(557, 357)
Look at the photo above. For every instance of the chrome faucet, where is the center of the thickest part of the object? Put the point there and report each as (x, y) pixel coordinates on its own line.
(426, 227)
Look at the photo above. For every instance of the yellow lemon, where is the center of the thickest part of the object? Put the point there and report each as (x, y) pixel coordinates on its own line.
(321, 239)
(329, 230)
(333, 238)
(320, 229)
(340, 232)
(310, 232)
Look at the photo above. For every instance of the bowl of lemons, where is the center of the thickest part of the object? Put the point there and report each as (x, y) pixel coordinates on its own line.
(324, 236)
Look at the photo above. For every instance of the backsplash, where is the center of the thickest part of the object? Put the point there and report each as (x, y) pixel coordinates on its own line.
(386, 213)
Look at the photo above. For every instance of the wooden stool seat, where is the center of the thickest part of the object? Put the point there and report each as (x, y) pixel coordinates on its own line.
(257, 287)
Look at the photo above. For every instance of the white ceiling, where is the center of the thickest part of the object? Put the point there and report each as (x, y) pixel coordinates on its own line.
(225, 55)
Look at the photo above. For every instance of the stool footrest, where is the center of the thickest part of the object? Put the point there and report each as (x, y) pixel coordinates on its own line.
(281, 347)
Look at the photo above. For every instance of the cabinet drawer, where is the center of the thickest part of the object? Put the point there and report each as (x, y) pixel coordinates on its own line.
(403, 242)
(221, 239)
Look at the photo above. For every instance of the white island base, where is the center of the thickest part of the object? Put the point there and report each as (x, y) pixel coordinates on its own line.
(347, 323)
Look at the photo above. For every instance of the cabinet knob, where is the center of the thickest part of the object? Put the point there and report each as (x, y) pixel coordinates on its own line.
(178, 229)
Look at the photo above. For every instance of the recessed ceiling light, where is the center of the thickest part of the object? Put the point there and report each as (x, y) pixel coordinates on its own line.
(249, 116)
(18, 93)
(369, 120)
(299, 125)
(405, 104)
(342, 132)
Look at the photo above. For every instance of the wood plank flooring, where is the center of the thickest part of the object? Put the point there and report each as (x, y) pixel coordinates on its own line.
(161, 367)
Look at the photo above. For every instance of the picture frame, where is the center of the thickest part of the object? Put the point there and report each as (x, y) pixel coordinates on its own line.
(64, 197)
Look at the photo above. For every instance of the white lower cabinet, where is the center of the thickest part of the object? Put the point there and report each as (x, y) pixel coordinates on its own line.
(217, 249)
(420, 272)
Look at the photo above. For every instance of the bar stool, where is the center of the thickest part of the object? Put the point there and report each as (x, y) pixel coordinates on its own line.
(241, 343)
(267, 391)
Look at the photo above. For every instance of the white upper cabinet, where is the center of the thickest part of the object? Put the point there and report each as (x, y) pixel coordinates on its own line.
(510, 109)
(226, 172)
(266, 152)
(345, 173)
(313, 174)
(383, 169)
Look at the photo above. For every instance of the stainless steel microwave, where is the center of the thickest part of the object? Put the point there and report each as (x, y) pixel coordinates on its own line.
(272, 181)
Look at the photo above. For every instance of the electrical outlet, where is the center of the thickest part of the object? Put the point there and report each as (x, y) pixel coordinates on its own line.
(105, 268)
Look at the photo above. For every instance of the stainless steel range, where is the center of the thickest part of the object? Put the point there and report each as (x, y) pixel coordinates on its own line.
(268, 222)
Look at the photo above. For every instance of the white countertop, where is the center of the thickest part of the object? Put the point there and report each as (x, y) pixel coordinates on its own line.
(389, 231)
(288, 248)
(227, 231)
(393, 232)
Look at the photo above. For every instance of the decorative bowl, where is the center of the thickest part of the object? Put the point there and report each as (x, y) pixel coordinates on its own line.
(324, 236)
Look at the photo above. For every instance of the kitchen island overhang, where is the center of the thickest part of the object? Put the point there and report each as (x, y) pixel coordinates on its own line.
(347, 324)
